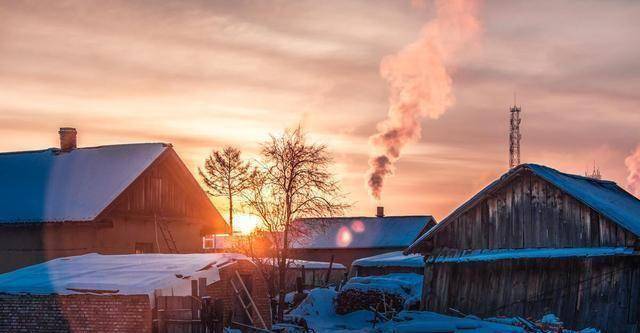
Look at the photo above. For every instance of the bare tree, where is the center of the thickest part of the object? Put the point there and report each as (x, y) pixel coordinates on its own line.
(225, 175)
(292, 181)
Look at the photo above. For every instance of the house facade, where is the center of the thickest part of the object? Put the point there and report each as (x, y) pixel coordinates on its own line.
(117, 199)
(539, 241)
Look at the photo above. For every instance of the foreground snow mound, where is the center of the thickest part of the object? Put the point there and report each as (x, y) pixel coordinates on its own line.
(318, 311)
(406, 285)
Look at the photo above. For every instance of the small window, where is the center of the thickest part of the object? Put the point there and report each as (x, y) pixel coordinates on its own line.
(143, 248)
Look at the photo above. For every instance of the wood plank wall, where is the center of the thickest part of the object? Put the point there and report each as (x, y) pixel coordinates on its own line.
(530, 212)
(599, 292)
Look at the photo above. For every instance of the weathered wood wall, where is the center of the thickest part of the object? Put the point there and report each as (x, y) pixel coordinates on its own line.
(529, 212)
(601, 292)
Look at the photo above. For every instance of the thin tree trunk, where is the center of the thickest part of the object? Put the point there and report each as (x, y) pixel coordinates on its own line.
(231, 212)
(282, 272)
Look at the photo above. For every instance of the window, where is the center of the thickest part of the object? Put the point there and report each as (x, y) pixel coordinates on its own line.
(141, 248)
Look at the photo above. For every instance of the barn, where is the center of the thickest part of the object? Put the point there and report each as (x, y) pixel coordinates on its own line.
(539, 241)
(133, 293)
(116, 199)
(346, 239)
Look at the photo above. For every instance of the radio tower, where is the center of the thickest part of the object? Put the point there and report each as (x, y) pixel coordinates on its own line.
(514, 136)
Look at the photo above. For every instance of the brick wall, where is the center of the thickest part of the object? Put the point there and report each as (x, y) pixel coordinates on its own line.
(222, 289)
(74, 313)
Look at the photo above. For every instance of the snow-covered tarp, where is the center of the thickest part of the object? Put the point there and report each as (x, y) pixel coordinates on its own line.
(531, 253)
(391, 259)
(361, 232)
(49, 186)
(133, 274)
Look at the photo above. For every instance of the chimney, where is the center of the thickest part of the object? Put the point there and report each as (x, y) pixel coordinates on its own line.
(380, 211)
(67, 138)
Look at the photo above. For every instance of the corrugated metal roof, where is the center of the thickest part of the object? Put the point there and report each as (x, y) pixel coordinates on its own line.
(362, 232)
(604, 196)
(53, 186)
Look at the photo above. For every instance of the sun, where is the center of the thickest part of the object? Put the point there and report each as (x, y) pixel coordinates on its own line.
(245, 223)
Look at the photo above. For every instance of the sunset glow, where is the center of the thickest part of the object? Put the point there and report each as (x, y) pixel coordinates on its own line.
(201, 75)
(245, 223)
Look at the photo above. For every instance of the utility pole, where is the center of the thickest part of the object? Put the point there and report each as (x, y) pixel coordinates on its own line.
(514, 136)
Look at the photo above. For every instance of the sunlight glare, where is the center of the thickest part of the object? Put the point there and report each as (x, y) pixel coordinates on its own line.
(245, 223)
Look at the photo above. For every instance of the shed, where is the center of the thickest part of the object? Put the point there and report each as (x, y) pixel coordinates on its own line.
(349, 238)
(116, 199)
(388, 263)
(539, 241)
(126, 293)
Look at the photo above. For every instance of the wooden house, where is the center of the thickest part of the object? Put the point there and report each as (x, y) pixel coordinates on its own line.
(346, 239)
(134, 293)
(539, 241)
(117, 199)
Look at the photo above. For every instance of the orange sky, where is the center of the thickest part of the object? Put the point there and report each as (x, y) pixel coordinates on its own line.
(204, 74)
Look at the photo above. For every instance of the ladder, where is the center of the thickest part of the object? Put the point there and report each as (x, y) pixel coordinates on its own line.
(238, 291)
(166, 235)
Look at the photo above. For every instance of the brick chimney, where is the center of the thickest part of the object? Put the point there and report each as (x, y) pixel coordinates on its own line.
(380, 211)
(68, 138)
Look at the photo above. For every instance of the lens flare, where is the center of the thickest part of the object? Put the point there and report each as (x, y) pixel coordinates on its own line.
(344, 237)
(357, 226)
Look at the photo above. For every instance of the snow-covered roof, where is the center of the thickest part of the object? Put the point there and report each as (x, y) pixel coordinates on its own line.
(132, 274)
(501, 254)
(297, 263)
(391, 259)
(604, 196)
(363, 232)
(52, 186)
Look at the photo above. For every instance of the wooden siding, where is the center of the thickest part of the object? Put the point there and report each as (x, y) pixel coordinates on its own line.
(529, 212)
(599, 292)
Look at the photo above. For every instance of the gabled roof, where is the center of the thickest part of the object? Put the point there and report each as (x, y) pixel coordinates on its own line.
(603, 196)
(54, 186)
(363, 232)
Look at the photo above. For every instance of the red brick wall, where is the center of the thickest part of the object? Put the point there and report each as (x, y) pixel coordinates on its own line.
(223, 290)
(74, 313)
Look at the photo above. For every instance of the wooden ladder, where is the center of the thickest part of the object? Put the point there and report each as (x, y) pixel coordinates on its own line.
(238, 291)
(167, 236)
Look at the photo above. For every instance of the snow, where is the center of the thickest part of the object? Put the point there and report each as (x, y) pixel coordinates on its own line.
(395, 259)
(298, 263)
(319, 312)
(406, 285)
(48, 186)
(362, 232)
(501, 254)
(133, 274)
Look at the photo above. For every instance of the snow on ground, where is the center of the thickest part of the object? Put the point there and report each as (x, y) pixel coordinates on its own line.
(319, 312)
(406, 285)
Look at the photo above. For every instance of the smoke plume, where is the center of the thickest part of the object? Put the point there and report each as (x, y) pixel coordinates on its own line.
(419, 84)
(633, 165)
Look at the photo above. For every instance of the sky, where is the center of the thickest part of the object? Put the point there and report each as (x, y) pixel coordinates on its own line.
(205, 74)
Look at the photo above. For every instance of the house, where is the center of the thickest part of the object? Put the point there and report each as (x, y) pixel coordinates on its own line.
(388, 263)
(131, 293)
(346, 239)
(539, 241)
(117, 199)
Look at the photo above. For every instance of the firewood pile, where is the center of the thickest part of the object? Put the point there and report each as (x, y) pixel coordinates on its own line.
(351, 300)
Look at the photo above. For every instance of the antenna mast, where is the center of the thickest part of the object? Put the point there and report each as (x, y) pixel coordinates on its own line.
(514, 135)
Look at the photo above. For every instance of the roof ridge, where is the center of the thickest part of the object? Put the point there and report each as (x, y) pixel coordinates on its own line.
(363, 217)
(54, 149)
(604, 181)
